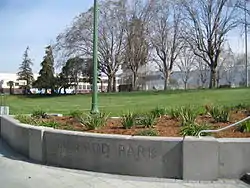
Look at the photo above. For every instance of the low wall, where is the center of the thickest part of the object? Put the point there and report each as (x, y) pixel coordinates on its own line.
(115, 154)
(187, 158)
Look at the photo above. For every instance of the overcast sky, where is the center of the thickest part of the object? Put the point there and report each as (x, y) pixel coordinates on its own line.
(37, 22)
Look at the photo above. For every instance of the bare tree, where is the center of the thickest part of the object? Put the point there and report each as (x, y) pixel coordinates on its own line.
(186, 64)
(112, 36)
(137, 45)
(165, 37)
(207, 24)
(226, 64)
(203, 70)
(77, 39)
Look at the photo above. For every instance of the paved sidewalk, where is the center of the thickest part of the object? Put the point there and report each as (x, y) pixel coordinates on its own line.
(17, 172)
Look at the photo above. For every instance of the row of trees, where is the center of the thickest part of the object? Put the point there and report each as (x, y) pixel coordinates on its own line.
(173, 33)
(70, 74)
(183, 34)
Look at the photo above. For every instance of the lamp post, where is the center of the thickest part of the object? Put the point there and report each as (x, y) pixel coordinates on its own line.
(245, 7)
(94, 106)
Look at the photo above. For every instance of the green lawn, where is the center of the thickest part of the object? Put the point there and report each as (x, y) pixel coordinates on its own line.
(122, 102)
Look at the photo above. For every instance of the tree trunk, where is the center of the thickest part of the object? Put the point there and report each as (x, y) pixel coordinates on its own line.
(110, 79)
(134, 80)
(167, 78)
(185, 85)
(114, 84)
(101, 85)
(212, 78)
(166, 84)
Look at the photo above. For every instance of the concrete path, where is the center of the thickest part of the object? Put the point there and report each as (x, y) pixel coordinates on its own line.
(17, 172)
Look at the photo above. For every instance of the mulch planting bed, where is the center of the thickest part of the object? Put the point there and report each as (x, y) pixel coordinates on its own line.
(165, 126)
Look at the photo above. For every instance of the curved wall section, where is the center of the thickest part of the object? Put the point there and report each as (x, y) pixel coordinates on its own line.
(188, 158)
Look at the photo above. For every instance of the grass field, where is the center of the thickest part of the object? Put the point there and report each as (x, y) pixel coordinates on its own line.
(122, 102)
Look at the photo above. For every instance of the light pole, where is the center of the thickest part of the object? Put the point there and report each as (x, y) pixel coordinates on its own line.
(245, 7)
(94, 106)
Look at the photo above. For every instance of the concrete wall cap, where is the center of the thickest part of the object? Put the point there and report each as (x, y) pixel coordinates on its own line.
(235, 140)
(206, 139)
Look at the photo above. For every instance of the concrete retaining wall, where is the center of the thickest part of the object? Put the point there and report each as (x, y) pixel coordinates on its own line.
(188, 158)
(234, 157)
(115, 154)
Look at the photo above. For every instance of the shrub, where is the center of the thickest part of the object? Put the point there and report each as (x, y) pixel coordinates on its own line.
(200, 110)
(174, 113)
(52, 124)
(244, 127)
(193, 129)
(219, 114)
(26, 119)
(128, 120)
(240, 106)
(149, 132)
(93, 121)
(158, 112)
(76, 114)
(148, 120)
(188, 115)
(39, 114)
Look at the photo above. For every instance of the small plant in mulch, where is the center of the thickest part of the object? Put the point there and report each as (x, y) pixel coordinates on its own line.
(93, 121)
(27, 119)
(219, 113)
(76, 114)
(158, 112)
(51, 124)
(148, 132)
(174, 113)
(39, 114)
(244, 127)
(148, 120)
(188, 115)
(128, 120)
(240, 106)
(193, 129)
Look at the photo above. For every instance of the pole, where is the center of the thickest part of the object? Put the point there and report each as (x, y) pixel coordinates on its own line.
(94, 109)
(245, 7)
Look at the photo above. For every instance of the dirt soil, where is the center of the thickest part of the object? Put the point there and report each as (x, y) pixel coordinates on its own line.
(165, 126)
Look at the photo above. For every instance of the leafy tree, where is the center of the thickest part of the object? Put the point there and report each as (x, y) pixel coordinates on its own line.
(76, 70)
(11, 85)
(25, 71)
(46, 79)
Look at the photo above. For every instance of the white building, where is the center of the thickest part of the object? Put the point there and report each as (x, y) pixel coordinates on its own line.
(82, 87)
(5, 78)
